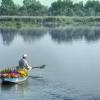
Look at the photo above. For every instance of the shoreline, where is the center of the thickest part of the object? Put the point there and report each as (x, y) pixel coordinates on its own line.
(29, 22)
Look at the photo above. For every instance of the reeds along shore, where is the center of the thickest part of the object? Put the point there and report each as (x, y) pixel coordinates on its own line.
(31, 21)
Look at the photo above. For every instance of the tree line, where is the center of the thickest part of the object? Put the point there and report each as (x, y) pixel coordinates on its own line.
(57, 8)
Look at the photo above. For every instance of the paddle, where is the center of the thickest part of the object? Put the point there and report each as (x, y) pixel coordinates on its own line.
(41, 67)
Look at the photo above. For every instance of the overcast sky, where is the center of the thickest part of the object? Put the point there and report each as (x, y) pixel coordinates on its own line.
(45, 2)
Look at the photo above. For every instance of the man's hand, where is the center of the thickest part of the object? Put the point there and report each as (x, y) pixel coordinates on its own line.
(29, 68)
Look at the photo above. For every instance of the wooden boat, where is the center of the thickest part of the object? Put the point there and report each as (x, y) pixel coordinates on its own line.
(19, 79)
(14, 80)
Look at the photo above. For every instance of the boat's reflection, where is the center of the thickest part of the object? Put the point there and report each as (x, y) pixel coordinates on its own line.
(20, 88)
(14, 89)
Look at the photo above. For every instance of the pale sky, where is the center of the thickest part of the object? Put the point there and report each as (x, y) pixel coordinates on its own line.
(45, 2)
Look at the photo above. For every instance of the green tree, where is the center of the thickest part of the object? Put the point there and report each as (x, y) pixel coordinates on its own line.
(8, 7)
(29, 2)
(33, 8)
(93, 7)
(78, 9)
(36, 9)
(61, 7)
(68, 8)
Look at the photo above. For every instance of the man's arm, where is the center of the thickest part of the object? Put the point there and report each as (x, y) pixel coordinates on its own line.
(27, 65)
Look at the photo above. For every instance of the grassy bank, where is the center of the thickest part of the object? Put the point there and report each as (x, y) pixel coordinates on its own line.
(44, 21)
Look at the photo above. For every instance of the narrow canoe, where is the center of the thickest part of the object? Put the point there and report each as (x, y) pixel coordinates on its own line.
(13, 80)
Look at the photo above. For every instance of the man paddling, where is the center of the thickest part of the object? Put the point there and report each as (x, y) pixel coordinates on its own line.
(23, 63)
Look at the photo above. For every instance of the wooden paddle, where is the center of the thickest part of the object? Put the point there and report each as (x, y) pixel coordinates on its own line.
(41, 67)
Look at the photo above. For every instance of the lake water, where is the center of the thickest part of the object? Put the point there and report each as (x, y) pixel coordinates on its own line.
(72, 56)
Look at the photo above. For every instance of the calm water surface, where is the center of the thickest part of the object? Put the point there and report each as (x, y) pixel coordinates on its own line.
(72, 56)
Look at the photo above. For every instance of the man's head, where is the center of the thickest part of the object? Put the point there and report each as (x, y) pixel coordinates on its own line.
(25, 56)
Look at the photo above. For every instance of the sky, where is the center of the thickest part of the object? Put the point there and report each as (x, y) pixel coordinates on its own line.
(45, 2)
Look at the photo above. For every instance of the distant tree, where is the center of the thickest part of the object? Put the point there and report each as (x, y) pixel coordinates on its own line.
(57, 8)
(23, 11)
(78, 9)
(33, 8)
(93, 7)
(68, 8)
(36, 9)
(29, 2)
(61, 7)
(7, 7)
(17, 10)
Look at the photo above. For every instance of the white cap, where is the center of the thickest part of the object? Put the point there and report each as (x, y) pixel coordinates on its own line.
(25, 56)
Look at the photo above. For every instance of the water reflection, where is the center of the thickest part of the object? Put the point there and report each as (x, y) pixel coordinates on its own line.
(21, 89)
(14, 89)
(8, 35)
(57, 34)
(31, 35)
(70, 34)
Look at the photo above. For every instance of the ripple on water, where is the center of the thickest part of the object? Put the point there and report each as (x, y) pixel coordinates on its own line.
(39, 87)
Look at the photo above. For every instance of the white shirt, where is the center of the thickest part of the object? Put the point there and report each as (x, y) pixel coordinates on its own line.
(23, 63)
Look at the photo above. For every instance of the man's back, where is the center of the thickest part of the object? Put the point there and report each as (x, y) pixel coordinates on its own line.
(23, 63)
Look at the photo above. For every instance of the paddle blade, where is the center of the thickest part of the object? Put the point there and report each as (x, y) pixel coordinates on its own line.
(43, 66)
